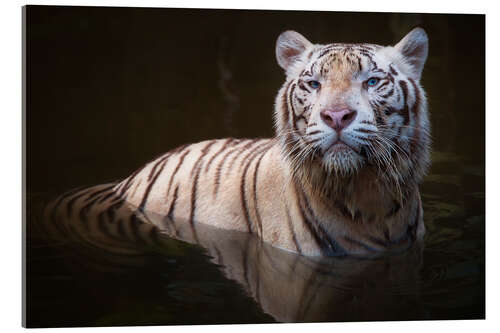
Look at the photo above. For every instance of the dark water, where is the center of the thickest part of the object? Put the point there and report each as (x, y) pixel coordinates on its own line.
(109, 89)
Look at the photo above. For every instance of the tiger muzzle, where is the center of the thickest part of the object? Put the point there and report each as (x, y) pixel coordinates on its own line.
(338, 118)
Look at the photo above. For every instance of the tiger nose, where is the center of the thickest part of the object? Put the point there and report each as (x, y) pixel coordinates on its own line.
(338, 119)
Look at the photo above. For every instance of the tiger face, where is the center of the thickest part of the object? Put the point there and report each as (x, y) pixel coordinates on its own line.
(345, 107)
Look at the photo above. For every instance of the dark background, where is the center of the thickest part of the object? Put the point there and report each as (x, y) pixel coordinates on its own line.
(108, 89)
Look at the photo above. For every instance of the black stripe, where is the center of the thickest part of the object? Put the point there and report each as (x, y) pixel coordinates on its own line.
(408, 235)
(224, 146)
(133, 190)
(386, 82)
(150, 186)
(107, 196)
(360, 65)
(168, 222)
(324, 52)
(314, 132)
(416, 106)
(249, 158)
(241, 151)
(389, 94)
(284, 102)
(291, 96)
(366, 122)
(69, 205)
(389, 111)
(364, 130)
(303, 86)
(112, 208)
(264, 144)
(405, 112)
(328, 245)
(135, 223)
(103, 228)
(307, 223)
(170, 213)
(127, 184)
(393, 71)
(73, 191)
(219, 169)
(65, 196)
(153, 169)
(416, 110)
(97, 193)
(120, 229)
(292, 231)
(370, 58)
(196, 169)
(378, 70)
(153, 236)
(84, 210)
(181, 160)
(245, 263)
(203, 152)
(257, 214)
(53, 214)
(290, 107)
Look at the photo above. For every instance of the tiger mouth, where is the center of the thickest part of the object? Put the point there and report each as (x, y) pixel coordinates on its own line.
(340, 146)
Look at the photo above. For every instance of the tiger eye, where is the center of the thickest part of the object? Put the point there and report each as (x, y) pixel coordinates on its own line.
(314, 84)
(372, 82)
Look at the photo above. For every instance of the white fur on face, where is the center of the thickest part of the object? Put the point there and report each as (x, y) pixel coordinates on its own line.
(383, 126)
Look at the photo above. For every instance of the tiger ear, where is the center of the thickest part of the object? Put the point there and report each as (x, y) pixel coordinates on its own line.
(289, 47)
(414, 47)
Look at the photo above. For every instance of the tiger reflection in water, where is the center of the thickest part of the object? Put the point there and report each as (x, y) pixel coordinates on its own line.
(287, 286)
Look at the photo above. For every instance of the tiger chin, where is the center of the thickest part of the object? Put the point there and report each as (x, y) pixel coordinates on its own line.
(341, 175)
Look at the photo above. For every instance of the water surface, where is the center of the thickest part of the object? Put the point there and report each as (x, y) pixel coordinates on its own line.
(108, 89)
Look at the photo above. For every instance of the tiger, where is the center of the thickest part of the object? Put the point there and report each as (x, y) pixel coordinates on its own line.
(341, 175)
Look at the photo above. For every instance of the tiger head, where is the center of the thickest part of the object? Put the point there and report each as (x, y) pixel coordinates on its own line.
(348, 107)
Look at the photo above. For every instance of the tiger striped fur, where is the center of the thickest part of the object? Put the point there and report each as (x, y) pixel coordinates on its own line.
(341, 175)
